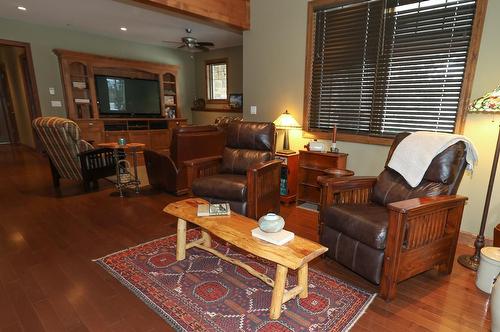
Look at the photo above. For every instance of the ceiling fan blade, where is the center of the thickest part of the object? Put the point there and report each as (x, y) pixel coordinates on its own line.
(205, 44)
(182, 46)
(203, 48)
(171, 42)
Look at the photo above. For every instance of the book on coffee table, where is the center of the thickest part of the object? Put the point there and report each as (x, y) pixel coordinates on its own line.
(218, 209)
(278, 238)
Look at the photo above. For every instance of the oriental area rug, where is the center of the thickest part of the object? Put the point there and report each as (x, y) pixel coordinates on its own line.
(205, 293)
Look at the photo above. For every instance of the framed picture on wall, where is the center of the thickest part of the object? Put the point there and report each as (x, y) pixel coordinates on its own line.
(236, 101)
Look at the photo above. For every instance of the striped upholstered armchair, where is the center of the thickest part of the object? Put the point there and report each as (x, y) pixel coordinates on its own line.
(71, 157)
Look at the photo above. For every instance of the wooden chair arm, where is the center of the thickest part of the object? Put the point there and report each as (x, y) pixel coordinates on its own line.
(263, 191)
(101, 158)
(345, 190)
(200, 167)
(425, 204)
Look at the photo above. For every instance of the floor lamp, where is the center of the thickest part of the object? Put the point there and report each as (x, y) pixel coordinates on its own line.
(489, 103)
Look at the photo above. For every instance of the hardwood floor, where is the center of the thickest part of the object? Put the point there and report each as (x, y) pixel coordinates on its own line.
(48, 281)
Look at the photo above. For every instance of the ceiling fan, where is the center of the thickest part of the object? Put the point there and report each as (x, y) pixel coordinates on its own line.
(192, 43)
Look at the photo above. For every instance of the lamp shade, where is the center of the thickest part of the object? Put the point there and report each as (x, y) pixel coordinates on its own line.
(286, 121)
(490, 102)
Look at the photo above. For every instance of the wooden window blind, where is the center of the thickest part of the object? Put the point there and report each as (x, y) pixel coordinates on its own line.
(385, 66)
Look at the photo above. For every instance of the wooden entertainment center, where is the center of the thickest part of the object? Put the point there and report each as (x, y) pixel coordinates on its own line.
(78, 72)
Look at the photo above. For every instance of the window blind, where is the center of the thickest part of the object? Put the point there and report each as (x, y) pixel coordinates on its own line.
(385, 66)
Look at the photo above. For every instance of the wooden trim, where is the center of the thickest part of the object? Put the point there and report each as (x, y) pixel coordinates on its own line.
(219, 110)
(214, 62)
(470, 65)
(348, 137)
(234, 14)
(470, 68)
(9, 112)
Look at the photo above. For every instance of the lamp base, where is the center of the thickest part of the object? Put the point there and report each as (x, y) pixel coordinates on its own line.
(285, 151)
(469, 262)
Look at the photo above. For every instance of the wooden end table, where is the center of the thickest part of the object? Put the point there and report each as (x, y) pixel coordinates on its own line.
(129, 148)
(236, 230)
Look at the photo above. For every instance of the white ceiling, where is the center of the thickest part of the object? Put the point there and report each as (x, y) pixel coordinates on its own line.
(105, 17)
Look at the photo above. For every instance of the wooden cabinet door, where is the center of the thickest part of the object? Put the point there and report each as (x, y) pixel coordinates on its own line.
(92, 131)
(160, 139)
(140, 136)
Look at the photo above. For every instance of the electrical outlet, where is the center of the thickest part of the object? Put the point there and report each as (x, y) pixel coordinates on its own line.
(56, 103)
(52, 91)
(253, 109)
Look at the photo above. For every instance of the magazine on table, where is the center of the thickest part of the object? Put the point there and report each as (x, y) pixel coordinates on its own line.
(216, 209)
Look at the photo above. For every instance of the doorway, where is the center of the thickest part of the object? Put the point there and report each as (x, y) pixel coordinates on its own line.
(19, 103)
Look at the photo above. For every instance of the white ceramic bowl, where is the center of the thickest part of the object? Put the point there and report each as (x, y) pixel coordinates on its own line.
(271, 223)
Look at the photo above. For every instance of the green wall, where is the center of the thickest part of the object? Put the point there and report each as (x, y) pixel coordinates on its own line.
(234, 56)
(44, 39)
(273, 80)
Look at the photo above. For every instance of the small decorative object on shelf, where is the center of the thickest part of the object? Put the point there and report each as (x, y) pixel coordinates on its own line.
(271, 223)
(218, 209)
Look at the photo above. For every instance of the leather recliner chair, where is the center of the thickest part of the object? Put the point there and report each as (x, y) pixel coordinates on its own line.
(387, 231)
(167, 170)
(246, 174)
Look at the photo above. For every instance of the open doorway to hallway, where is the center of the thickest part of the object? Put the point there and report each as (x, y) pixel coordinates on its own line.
(19, 103)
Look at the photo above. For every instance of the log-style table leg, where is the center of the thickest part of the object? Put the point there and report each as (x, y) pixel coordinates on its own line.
(207, 239)
(180, 250)
(302, 280)
(278, 291)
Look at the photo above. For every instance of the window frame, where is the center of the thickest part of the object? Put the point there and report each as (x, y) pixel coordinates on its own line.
(470, 68)
(216, 62)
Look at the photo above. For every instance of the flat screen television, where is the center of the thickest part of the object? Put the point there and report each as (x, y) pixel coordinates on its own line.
(127, 97)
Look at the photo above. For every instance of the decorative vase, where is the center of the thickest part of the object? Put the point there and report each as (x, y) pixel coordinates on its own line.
(271, 223)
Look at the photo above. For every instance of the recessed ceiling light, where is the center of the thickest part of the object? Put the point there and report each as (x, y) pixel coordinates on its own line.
(21, 8)
(123, 28)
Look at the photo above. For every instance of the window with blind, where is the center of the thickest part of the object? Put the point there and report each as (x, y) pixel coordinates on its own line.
(385, 66)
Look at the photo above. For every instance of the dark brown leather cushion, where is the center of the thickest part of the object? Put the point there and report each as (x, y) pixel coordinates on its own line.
(366, 223)
(237, 161)
(251, 135)
(231, 187)
(392, 187)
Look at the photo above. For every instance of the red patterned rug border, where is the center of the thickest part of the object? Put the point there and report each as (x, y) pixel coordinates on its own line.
(175, 325)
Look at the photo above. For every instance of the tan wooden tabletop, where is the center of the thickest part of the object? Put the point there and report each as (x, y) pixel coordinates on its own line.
(236, 229)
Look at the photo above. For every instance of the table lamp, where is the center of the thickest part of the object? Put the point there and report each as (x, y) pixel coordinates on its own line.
(489, 103)
(286, 121)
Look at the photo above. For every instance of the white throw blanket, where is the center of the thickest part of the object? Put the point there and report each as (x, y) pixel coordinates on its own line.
(414, 153)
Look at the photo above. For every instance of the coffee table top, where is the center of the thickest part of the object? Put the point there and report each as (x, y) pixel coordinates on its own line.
(237, 230)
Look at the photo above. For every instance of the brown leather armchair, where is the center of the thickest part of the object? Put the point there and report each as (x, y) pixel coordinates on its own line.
(246, 174)
(167, 170)
(387, 231)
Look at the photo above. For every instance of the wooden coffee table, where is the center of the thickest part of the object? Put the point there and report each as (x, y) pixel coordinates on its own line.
(236, 230)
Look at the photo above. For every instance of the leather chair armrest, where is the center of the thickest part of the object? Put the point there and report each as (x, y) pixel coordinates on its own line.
(199, 167)
(263, 192)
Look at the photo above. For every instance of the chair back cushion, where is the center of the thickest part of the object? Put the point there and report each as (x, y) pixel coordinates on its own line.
(191, 142)
(61, 140)
(247, 143)
(441, 178)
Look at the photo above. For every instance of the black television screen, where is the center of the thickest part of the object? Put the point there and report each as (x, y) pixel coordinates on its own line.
(127, 97)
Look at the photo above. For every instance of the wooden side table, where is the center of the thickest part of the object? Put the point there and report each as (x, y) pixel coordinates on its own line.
(311, 165)
(120, 152)
(289, 169)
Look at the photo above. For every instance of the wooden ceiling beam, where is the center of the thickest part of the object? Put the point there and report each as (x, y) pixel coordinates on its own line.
(230, 13)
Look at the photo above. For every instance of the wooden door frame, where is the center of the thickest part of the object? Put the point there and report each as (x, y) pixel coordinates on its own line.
(10, 118)
(32, 78)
